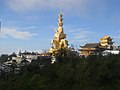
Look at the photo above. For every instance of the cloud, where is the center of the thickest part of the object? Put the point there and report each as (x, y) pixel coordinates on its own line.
(72, 29)
(29, 28)
(67, 5)
(79, 35)
(34, 4)
(82, 35)
(16, 34)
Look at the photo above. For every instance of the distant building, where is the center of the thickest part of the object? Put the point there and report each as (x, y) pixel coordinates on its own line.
(97, 48)
(106, 41)
(107, 52)
(21, 57)
(90, 49)
(29, 55)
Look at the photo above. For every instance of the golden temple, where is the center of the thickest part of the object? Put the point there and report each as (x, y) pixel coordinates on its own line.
(106, 41)
(96, 48)
(59, 41)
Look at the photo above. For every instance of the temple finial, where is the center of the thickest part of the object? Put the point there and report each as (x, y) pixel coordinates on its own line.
(60, 14)
(60, 23)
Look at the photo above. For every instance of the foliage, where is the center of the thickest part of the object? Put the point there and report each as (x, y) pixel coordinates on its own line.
(3, 58)
(73, 73)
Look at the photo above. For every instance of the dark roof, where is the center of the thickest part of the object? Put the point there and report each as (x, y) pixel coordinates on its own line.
(13, 55)
(91, 45)
(29, 53)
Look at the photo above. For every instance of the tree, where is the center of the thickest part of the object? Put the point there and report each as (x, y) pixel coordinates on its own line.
(3, 58)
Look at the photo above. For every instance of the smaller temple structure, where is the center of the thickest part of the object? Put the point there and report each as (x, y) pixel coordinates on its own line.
(96, 48)
(59, 41)
(90, 49)
(106, 42)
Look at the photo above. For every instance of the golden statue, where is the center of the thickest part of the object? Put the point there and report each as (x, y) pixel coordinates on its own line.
(59, 41)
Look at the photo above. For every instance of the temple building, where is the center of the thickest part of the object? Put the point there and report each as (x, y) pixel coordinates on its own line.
(106, 42)
(97, 48)
(90, 49)
(59, 41)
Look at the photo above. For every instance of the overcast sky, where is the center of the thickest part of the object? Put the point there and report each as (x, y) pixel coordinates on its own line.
(30, 24)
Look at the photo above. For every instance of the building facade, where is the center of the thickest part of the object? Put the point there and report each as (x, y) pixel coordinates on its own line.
(97, 48)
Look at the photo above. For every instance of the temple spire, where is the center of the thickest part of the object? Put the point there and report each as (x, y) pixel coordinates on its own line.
(59, 38)
(60, 23)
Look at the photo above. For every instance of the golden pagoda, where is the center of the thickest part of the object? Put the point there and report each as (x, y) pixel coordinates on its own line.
(59, 41)
(106, 41)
